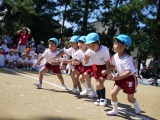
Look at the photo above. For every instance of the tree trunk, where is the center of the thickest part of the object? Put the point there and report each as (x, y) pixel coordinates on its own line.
(85, 18)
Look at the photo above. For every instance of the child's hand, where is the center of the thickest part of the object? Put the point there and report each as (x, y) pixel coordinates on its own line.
(104, 72)
(86, 58)
(35, 65)
(115, 77)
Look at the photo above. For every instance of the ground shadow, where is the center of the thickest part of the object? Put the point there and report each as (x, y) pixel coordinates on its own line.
(128, 112)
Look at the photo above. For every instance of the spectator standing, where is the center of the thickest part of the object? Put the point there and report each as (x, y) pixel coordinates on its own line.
(24, 34)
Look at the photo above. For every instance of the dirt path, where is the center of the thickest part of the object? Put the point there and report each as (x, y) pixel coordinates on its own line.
(20, 100)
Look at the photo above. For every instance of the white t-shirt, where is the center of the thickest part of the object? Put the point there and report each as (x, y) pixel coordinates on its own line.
(10, 58)
(123, 64)
(100, 56)
(29, 61)
(71, 52)
(6, 49)
(2, 60)
(21, 60)
(80, 57)
(16, 57)
(49, 55)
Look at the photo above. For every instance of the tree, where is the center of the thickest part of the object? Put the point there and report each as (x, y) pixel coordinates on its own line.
(35, 14)
(137, 18)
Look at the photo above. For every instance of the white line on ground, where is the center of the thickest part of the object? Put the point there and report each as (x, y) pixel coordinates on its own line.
(121, 110)
(33, 78)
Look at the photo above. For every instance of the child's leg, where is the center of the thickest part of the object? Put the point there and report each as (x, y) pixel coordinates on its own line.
(41, 72)
(75, 78)
(132, 100)
(114, 100)
(85, 85)
(60, 77)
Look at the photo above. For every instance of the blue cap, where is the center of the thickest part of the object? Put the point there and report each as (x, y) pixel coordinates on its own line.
(92, 37)
(74, 38)
(54, 40)
(83, 38)
(125, 39)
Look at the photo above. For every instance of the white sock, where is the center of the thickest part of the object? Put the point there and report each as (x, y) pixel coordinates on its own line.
(85, 85)
(136, 107)
(114, 111)
(92, 89)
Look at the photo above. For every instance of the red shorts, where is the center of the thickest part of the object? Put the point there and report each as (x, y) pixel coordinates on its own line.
(97, 69)
(78, 67)
(128, 84)
(54, 68)
(88, 70)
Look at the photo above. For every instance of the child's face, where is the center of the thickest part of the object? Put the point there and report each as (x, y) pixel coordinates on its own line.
(52, 46)
(15, 52)
(11, 53)
(118, 47)
(23, 57)
(82, 46)
(29, 57)
(93, 46)
(74, 45)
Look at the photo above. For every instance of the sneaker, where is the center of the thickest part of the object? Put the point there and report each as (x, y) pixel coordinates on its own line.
(97, 102)
(94, 95)
(103, 102)
(75, 90)
(64, 87)
(84, 92)
(38, 85)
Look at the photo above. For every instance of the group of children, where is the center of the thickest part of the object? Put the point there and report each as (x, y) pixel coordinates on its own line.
(13, 60)
(90, 58)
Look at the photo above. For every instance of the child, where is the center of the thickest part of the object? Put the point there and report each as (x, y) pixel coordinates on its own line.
(24, 34)
(21, 61)
(10, 58)
(2, 57)
(50, 64)
(74, 73)
(85, 77)
(29, 62)
(16, 55)
(100, 57)
(125, 79)
(5, 47)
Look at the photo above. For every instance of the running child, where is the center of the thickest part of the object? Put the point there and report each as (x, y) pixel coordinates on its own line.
(86, 70)
(74, 68)
(100, 56)
(50, 64)
(125, 78)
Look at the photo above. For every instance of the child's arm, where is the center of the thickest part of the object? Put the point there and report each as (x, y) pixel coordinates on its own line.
(109, 67)
(86, 58)
(76, 62)
(59, 55)
(29, 31)
(119, 77)
(19, 31)
(68, 61)
(39, 61)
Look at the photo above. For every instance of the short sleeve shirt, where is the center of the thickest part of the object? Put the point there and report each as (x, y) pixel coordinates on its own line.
(50, 55)
(123, 64)
(99, 57)
(80, 57)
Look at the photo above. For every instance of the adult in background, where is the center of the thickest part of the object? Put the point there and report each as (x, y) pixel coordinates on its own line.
(24, 34)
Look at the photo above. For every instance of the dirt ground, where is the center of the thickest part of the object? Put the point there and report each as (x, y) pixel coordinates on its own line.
(20, 100)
